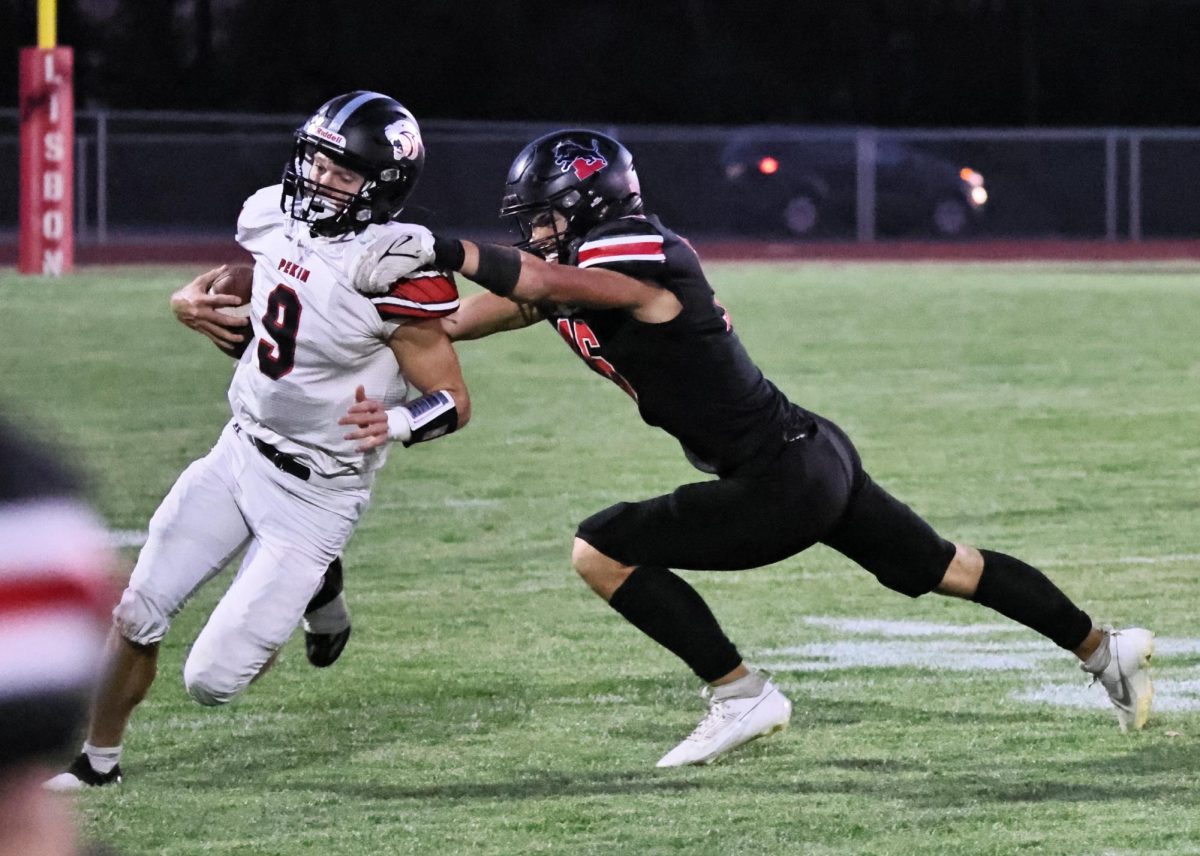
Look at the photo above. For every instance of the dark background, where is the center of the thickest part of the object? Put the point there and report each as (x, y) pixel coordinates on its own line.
(890, 63)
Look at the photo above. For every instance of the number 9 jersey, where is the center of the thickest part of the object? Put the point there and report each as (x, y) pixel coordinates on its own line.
(316, 339)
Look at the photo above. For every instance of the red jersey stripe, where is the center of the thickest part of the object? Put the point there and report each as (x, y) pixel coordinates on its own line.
(423, 296)
(427, 289)
(407, 311)
(54, 592)
(651, 250)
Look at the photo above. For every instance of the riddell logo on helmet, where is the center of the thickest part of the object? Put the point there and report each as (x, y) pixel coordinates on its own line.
(570, 155)
(327, 135)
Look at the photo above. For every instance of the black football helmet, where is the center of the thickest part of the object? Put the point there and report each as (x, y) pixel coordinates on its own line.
(369, 133)
(585, 176)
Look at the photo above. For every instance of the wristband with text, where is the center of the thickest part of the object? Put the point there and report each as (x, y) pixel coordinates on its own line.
(426, 418)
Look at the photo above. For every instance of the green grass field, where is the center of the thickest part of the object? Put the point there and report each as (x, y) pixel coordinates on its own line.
(489, 704)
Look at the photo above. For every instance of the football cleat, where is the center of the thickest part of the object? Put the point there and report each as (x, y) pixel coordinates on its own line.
(1126, 678)
(80, 775)
(729, 723)
(327, 620)
(323, 649)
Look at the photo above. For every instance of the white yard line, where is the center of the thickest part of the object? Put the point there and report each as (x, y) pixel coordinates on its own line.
(127, 537)
(1169, 559)
(930, 647)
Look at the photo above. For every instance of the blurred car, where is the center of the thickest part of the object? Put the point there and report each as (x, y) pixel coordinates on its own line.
(807, 188)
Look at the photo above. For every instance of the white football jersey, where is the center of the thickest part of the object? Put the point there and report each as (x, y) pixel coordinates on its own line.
(316, 339)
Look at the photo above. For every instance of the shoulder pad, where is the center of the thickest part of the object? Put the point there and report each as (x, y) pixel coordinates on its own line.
(427, 293)
(259, 213)
(621, 243)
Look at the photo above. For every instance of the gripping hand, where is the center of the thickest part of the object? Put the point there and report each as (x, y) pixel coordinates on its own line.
(387, 253)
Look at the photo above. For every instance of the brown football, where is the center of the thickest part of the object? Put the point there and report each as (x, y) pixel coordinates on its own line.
(236, 280)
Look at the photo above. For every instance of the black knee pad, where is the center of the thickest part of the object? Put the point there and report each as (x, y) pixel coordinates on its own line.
(914, 575)
(606, 532)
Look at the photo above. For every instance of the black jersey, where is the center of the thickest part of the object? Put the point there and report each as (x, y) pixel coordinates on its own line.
(690, 376)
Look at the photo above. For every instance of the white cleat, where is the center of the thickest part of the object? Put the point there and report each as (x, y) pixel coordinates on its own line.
(729, 723)
(1126, 678)
(64, 783)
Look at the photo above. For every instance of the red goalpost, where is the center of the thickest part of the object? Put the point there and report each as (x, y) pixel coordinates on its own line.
(47, 243)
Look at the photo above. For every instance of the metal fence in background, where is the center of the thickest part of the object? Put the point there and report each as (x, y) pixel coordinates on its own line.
(144, 173)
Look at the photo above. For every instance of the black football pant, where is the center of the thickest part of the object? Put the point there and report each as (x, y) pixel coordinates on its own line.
(815, 491)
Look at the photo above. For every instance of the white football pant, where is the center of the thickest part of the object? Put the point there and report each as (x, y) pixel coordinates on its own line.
(231, 498)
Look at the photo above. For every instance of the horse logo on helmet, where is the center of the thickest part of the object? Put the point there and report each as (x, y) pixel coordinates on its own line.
(570, 155)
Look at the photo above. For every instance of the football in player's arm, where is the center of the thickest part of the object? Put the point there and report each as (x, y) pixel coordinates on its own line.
(630, 297)
(421, 345)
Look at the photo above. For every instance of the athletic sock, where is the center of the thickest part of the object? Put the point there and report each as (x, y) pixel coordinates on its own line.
(672, 613)
(333, 617)
(1100, 658)
(1024, 594)
(102, 759)
(331, 587)
(747, 686)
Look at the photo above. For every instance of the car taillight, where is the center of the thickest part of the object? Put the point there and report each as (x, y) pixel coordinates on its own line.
(970, 176)
(768, 165)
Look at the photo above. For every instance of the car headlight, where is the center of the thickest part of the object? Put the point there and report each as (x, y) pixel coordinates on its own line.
(979, 195)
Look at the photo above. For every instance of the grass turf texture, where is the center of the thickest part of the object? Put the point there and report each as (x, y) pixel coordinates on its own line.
(489, 704)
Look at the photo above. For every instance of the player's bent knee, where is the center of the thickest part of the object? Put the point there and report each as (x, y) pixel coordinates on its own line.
(917, 572)
(209, 684)
(589, 562)
(602, 573)
(962, 574)
(209, 693)
(140, 619)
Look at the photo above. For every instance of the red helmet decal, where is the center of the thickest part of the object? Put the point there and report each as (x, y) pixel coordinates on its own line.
(570, 155)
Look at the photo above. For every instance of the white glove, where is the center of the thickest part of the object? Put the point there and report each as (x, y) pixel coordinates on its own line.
(389, 252)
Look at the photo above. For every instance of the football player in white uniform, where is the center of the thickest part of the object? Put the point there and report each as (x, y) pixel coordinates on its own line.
(292, 471)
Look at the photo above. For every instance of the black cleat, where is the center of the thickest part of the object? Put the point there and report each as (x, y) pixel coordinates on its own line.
(80, 775)
(323, 649)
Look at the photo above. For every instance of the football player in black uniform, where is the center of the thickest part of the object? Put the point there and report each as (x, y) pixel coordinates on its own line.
(629, 296)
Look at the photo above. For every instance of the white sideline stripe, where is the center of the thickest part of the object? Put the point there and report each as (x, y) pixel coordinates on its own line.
(127, 537)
